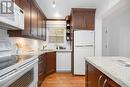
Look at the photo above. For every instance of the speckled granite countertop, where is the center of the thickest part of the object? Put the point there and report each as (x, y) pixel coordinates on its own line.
(116, 68)
(42, 52)
(36, 52)
(63, 50)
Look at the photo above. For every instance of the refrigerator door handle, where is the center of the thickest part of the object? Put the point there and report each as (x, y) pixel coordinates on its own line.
(84, 45)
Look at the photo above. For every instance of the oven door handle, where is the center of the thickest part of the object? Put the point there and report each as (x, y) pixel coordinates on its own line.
(7, 74)
(27, 64)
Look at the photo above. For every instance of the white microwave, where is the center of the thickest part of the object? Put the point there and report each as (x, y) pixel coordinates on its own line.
(14, 20)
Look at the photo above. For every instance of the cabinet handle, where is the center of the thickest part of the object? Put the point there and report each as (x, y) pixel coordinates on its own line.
(104, 82)
(40, 62)
(99, 80)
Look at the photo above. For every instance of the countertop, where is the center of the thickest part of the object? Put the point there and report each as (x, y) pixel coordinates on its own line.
(114, 67)
(37, 53)
(43, 51)
(63, 50)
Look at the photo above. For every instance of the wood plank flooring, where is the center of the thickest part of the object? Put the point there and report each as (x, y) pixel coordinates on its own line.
(64, 80)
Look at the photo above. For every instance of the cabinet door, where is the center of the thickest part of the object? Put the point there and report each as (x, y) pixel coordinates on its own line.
(17, 2)
(44, 65)
(89, 21)
(44, 28)
(50, 62)
(25, 5)
(34, 21)
(41, 68)
(93, 76)
(78, 21)
(40, 25)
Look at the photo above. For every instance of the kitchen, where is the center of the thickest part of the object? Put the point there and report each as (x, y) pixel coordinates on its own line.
(61, 43)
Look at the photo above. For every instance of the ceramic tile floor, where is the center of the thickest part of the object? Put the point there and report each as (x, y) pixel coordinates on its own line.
(64, 80)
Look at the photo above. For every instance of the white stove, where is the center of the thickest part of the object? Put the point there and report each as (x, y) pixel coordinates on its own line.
(17, 67)
(16, 70)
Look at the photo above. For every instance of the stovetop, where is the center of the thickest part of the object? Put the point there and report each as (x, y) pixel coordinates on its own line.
(13, 59)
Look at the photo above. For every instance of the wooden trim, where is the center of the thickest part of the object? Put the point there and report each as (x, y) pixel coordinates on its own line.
(56, 20)
(83, 9)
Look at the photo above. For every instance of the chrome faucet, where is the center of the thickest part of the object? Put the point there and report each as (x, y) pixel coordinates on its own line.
(44, 46)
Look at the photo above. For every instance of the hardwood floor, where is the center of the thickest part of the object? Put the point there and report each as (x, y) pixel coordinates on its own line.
(64, 80)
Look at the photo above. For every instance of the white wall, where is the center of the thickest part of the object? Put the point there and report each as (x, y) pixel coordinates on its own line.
(103, 10)
(26, 42)
(118, 26)
(105, 6)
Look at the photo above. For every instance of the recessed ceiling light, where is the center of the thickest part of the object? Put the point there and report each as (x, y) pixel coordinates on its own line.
(57, 14)
(53, 4)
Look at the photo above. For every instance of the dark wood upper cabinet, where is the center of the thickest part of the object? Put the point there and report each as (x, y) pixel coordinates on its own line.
(26, 6)
(83, 18)
(89, 21)
(44, 28)
(40, 24)
(17, 2)
(34, 21)
(78, 21)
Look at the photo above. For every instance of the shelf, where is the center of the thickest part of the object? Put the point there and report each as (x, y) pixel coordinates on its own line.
(68, 28)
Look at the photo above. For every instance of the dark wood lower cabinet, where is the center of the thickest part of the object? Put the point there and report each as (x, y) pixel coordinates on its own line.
(92, 76)
(41, 68)
(46, 65)
(50, 62)
(95, 78)
(111, 83)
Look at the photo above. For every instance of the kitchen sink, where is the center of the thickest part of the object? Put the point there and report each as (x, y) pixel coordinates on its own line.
(125, 63)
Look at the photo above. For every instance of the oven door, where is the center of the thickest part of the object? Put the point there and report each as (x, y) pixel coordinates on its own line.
(23, 76)
(25, 80)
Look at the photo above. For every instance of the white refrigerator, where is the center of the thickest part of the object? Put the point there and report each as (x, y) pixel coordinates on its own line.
(83, 47)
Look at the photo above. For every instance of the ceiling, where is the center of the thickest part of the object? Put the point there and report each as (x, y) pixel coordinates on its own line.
(63, 7)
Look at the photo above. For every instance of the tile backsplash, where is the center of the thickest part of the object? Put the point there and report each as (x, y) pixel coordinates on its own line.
(25, 44)
(5, 44)
(18, 43)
